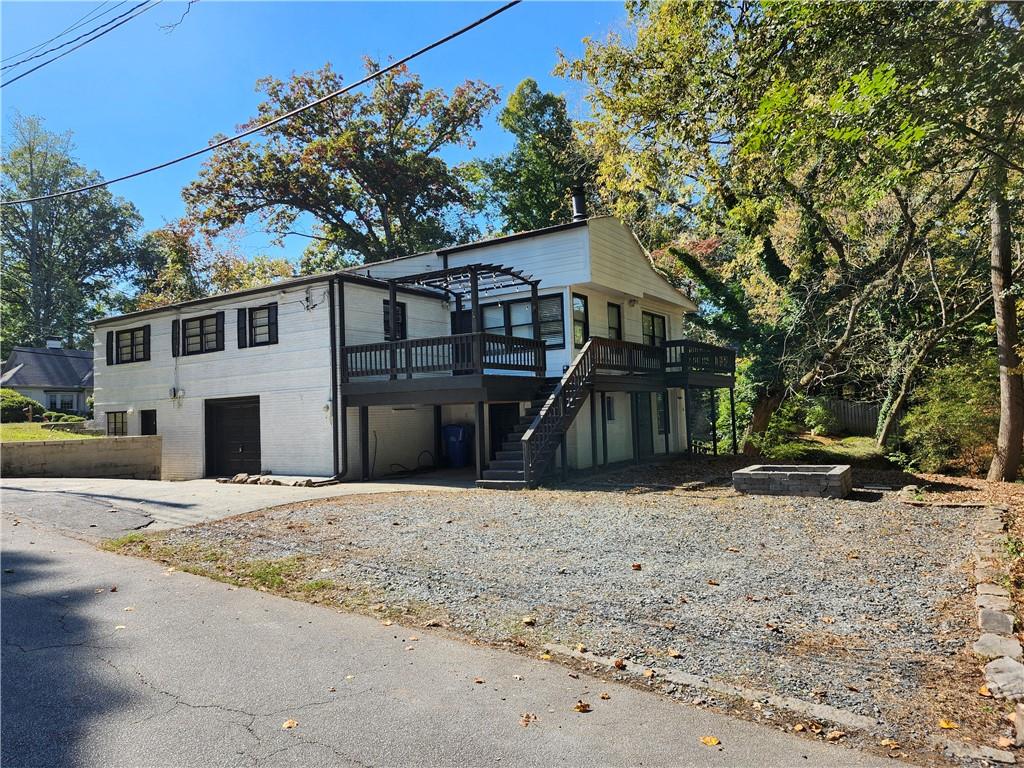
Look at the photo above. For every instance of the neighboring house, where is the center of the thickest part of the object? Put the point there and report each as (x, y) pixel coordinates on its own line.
(60, 379)
(561, 346)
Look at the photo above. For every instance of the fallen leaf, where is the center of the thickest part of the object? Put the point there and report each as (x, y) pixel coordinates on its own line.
(710, 741)
(287, 725)
(853, 556)
(479, 680)
(114, 588)
(619, 663)
(669, 624)
(835, 735)
(828, 619)
(414, 639)
(984, 691)
(815, 728)
(410, 647)
(581, 706)
(120, 626)
(637, 567)
(574, 675)
(332, 689)
(890, 743)
(731, 549)
(387, 622)
(101, 589)
(605, 696)
(517, 677)
(529, 621)
(129, 609)
(526, 718)
(545, 657)
(712, 582)
(798, 727)
(674, 654)
(948, 725)
(1004, 741)
(648, 673)
(581, 648)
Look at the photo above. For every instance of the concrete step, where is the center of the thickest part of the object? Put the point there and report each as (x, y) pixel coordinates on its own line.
(514, 455)
(512, 464)
(512, 445)
(502, 485)
(504, 474)
(515, 436)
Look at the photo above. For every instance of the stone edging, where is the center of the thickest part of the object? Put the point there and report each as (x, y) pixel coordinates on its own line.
(1004, 674)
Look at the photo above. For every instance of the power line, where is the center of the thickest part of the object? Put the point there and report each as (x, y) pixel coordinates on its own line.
(74, 40)
(90, 16)
(83, 43)
(279, 118)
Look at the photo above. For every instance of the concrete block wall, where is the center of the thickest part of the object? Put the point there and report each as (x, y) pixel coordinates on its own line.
(134, 457)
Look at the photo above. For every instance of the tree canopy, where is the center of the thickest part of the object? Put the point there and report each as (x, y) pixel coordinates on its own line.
(365, 166)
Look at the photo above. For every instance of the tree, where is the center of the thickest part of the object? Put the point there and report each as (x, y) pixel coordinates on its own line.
(193, 265)
(530, 185)
(782, 148)
(365, 166)
(61, 258)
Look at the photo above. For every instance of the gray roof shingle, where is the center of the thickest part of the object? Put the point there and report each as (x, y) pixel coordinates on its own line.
(49, 368)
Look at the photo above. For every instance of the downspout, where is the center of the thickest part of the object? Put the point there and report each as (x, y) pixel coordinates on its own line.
(336, 326)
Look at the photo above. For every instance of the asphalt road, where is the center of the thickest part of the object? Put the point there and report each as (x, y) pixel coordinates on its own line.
(177, 670)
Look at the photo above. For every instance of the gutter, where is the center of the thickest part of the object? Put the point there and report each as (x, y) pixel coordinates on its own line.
(336, 327)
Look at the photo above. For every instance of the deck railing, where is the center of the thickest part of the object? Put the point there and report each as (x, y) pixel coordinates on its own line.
(685, 356)
(456, 353)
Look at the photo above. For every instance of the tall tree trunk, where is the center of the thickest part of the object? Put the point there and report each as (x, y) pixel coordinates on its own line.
(761, 415)
(1006, 461)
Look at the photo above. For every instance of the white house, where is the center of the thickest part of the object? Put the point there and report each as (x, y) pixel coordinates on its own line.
(561, 347)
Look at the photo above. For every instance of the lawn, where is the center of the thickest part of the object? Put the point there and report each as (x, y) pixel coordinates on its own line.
(858, 451)
(20, 433)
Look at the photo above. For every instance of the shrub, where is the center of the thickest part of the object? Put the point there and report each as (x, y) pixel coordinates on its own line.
(72, 418)
(13, 405)
(819, 419)
(51, 416)
(954, 416)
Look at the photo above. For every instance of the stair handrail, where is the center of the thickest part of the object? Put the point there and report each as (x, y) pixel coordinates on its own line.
(545, 431)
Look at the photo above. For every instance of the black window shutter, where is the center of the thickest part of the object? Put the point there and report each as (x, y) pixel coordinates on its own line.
(243, 328)
(272, 323)
(175, 338)
(220, 331)
(110, 347)
(145, 342)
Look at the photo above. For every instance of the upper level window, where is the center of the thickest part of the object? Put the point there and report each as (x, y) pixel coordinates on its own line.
(117, 422)
(580, 320)
(653, 329)
(203, 334)
(402, 329)
(263, 325)
(515, 318)
(615, 321)
(132, 345)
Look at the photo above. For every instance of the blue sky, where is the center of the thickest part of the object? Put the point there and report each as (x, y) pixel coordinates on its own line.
(140, 95)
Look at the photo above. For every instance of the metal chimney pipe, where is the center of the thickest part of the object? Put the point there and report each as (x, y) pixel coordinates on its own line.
(579, 204)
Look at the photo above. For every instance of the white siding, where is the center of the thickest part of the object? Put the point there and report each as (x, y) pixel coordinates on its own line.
(556, 259)
(397, 439)
(291, 378)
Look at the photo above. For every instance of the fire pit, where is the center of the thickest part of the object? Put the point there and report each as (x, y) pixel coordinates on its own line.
(828, 481)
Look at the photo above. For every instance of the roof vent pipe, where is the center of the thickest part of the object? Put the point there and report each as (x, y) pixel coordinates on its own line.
(579, 204)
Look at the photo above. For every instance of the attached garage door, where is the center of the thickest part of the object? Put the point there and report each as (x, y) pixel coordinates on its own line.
(233, 436)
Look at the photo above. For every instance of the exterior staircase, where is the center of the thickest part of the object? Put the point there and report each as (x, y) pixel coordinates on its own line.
(506, 471)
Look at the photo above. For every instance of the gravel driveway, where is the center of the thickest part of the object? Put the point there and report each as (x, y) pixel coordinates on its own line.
(847, 603)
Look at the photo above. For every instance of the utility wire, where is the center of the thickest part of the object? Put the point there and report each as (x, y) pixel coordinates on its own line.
(90, 16)
(279, 118)
(84, 42)
(74, 40)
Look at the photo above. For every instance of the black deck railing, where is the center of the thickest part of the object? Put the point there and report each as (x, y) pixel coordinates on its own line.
(685, 356)
(456, 353)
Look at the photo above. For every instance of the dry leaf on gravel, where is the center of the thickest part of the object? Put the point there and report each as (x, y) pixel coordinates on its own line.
(581, 648)
(546, 657)
(529, 621)
(710, 741)
(1004, 741)
(948, 725)
(619, 663)
(120, 626)
(581, 706)
(648, 673)
(527, 718)
(798, 727)
(287, 725)
(605, 696)
(712, 582)
(890, 743)
(984, 691)
(835, 735)
(479, 680)
(674, 654)
(637, 567)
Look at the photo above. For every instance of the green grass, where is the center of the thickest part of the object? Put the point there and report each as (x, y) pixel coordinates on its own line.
(20, 433)
(272, 574)
(861, 451)
(316, 585)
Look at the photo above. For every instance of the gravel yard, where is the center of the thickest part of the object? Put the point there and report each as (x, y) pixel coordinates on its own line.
(860, 604)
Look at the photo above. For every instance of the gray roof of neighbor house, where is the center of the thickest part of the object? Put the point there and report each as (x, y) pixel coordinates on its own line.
(48, 368)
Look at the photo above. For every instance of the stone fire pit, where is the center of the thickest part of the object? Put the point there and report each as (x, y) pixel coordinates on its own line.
(833, 481)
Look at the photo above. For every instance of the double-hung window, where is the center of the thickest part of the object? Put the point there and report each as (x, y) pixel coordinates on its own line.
(515, 318)
(203, 334)
(653, 329)
(615, 321)
(263, 325)
(580, 320)
(132, 345)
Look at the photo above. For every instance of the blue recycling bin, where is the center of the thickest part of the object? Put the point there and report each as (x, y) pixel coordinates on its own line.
(458, 441)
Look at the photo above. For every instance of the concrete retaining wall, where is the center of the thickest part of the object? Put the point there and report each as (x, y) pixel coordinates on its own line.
(136, 457)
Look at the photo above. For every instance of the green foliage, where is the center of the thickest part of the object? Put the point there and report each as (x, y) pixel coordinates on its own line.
(818, 418)
(13, 405)
(953, 418)
(51, 415)
(366, 165)
(62, 259)
(529, 187)
(70, 417)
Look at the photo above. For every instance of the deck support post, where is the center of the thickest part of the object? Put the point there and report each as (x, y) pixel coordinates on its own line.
(474, 289)
(732, 419)
(688, 419)
(438, 445)
(604, 428)
(478, 436)
(364, 442)
(593, 428)
(393, 325)
(634, 427)
(535, 319)
(714, 421)
(668, 422)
